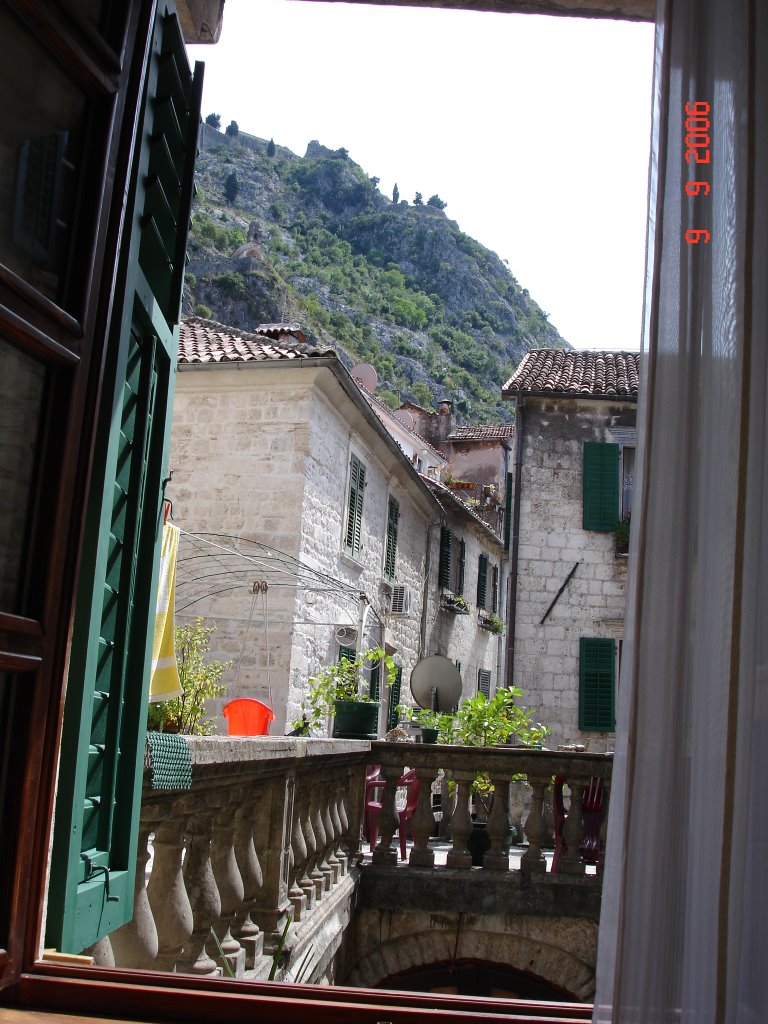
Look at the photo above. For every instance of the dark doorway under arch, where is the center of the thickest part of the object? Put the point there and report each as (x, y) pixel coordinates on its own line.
(476, 978)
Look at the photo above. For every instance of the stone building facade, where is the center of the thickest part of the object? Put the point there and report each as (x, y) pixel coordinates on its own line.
(574, 468)
(275, 443)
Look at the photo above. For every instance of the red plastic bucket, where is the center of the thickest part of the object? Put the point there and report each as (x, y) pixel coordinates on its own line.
(248, 717)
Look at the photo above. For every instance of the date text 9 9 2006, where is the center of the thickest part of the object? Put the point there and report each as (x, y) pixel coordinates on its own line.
(697, 153)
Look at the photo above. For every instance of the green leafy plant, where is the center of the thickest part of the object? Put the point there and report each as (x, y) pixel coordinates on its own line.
(199, 680)
(492, 623)
(341, 681)
(428, 719)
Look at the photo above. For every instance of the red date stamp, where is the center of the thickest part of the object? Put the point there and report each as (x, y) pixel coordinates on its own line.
(698, 151)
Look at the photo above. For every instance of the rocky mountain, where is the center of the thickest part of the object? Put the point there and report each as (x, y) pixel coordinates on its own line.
(312, 240)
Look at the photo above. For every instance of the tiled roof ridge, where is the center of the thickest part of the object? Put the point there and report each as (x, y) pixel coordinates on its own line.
(209, 342)
(598, 373)
(482, 432)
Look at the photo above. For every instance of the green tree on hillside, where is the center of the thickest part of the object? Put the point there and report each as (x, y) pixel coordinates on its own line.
(214, 120)
(232, 129)
(271, 147)
(231, 187)
(437, 202)
(418, 199)
(395, 194)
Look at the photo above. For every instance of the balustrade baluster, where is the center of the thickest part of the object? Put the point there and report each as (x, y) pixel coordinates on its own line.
(332, 868)
(532, 861)
(319, 872)
(461, 822)
(423, 822)
(166, 891)
(247, 931)
(228, 881)
(573, 831)
(339, 855)
(298, 862)
(306, 884)
(201, 889)
(497, 858)
(135, 945)
(388, 818)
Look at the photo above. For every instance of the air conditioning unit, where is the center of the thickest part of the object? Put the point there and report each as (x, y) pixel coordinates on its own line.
(346, 635)
(401, 601)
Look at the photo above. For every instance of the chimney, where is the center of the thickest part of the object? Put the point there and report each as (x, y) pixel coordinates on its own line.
(444, 421)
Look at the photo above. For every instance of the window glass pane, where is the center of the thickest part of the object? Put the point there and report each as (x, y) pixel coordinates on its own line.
(22, 383)
(41, 141)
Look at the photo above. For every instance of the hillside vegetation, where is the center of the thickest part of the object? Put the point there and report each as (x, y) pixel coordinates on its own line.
(312, 239)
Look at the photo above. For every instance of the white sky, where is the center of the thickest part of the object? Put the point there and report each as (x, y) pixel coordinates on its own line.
(535, 130)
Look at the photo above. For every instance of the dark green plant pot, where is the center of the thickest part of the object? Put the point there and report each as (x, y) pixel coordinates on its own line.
(356, 720)
(429, 735)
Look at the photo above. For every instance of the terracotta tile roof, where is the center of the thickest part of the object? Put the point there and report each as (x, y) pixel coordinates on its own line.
(281, 330)
(482, 433)
(580, 374)
(205, 341)
(384, 413)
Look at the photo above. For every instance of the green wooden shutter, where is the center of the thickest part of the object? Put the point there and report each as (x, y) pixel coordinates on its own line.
(508, 512)
(394, 699)
(482, 580)
(597, 684)
(102, 758)
(444, 567)
(495, 589)
(373, 687)
(484, 681)
(393, 516)
(461, 568)
(347, 652)
(353, 540)
(601, 486)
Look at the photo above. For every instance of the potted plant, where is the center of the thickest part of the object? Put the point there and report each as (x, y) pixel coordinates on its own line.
(340, 692)
(455, 603)
(436, 726)
(491, 622)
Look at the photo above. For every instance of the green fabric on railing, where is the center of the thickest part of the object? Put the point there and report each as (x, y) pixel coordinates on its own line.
(167, 755)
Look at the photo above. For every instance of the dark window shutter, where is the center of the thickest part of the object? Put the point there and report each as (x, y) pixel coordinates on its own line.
(508, 512)
(393, 517)
(102, 758)
(461, 568)
(597, 684)
(484, 681)
(394, 699)
(482, 580)
(444, 567)
(347, 652)
(373, 688)
(495, 589)
(354, 534)
(601, 486)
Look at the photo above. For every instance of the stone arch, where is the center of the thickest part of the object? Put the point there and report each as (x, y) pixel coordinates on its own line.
(543, 960)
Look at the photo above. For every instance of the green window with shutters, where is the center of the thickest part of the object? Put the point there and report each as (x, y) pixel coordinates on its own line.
(353, 537)
(495, 589)
(102, 751)
(394, 699)
(601, 486)
(444, 565)
(484, 682)
(597, 684)
(461, 568)
(482, 581)
(390, 555)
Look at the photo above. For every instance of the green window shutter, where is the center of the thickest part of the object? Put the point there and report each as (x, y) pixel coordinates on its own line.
(353, 541)
(444, 566)
(461, 568)
(508, 512)
(482, 580)
(393, 516)
(495, 589)
(484, 681)
(601, 486)
(102, 758)
(373, 688)
(394, 699)
(597, 684)
(347, 652)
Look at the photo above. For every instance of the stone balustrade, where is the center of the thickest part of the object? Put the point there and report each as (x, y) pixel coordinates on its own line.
(269, 831)
(263, 851)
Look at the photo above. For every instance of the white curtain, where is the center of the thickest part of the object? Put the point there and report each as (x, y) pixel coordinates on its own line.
(683, 929)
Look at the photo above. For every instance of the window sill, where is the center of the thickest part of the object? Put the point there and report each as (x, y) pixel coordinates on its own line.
(351, 562)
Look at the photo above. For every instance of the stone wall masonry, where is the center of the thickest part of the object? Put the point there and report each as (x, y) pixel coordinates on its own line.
(551, 542)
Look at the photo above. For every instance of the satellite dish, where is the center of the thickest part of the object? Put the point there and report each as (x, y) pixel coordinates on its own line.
(366, 374)
(405, 418)
(436, 681)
